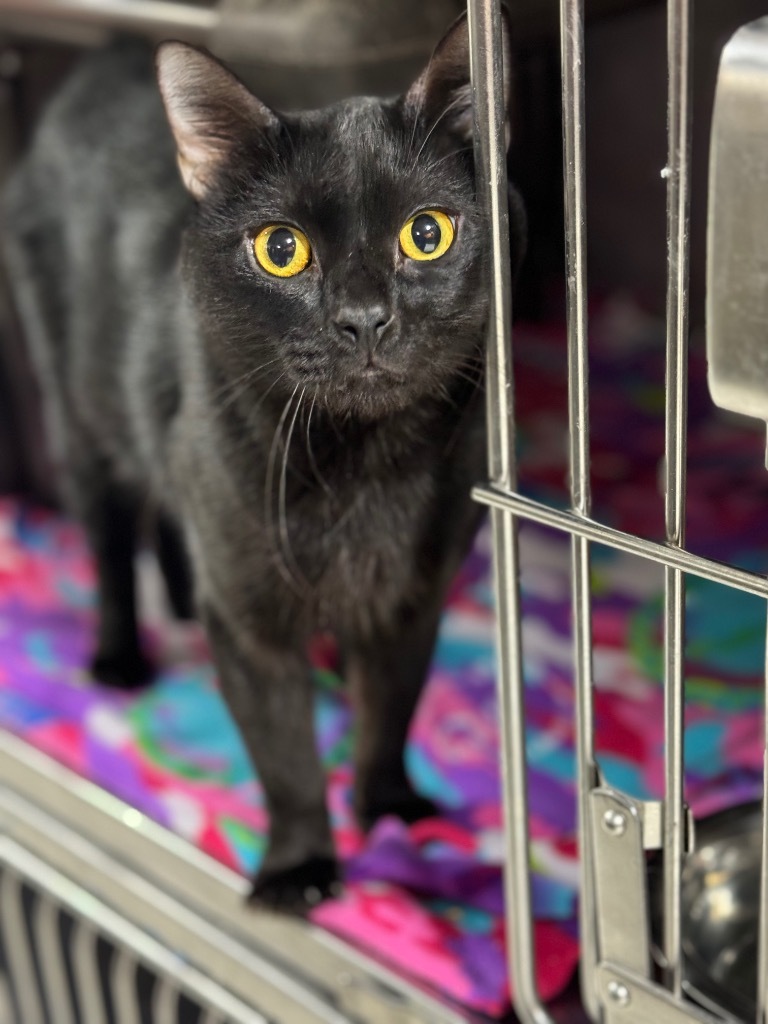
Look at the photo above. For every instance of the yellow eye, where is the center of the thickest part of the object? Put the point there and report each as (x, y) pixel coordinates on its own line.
(282, 250)
(427, 236)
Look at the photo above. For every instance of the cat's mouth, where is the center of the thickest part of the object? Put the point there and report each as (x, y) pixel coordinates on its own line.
(369, 391)
(375, 378)
(381, 373)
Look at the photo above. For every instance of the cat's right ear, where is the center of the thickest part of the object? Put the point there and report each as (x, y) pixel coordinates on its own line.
(211, 113)
(442, 94)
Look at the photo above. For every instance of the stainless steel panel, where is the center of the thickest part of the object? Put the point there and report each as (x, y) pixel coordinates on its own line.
(94, 918)
(737, 289)
(290, 959)
(737, 244)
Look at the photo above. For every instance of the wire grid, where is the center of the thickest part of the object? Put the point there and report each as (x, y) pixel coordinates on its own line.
(508, 507)
(69, 958)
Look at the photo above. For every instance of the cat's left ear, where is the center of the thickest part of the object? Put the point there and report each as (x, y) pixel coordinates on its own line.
(211, 113)
(443, 91)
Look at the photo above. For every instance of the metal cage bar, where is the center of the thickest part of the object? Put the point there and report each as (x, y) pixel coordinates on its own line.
(18, 951)
(677, 173)
(124, 972)
(52, 965)
(665, 554)
(574, 174)
(485, 30)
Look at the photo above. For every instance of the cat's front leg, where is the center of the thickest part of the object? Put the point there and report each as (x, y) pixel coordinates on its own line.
(109, 513)
(268, 687)
(386, 673)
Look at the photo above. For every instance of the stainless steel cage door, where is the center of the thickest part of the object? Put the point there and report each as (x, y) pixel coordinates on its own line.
(620, 978)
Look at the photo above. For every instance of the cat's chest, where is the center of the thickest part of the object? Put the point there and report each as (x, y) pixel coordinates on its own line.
(364, 555)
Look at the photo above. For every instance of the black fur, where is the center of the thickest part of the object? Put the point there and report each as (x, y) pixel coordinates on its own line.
(309, 441)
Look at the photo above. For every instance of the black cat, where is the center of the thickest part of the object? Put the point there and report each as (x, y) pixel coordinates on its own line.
(284, 361)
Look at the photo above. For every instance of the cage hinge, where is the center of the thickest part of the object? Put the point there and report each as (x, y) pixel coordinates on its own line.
(621, 885)
(629, 998)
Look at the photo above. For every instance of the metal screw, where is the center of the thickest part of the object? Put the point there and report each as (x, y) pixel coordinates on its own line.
(619, 993)
(615, 823)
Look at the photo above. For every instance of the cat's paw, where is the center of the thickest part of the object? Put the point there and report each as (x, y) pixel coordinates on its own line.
(297, 890)
(122, 670)
(409, 806)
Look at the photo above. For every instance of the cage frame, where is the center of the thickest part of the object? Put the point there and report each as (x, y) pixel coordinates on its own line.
(616, 972)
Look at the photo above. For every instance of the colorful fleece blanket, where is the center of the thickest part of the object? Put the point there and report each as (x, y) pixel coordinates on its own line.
(427, 899)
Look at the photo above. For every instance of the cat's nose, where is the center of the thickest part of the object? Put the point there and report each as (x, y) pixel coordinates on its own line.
(363, 325)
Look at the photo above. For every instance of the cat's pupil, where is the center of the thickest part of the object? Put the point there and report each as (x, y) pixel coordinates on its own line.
(281, 247)
(426, 233)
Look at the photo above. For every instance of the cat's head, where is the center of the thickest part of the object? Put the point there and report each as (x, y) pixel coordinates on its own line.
(337, 253)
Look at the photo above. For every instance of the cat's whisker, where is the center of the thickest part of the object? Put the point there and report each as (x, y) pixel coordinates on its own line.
(471, 362)
(472, 378)
(472, 371)
(470, 368)
(446, 110)
(274, 383)
(449, 156)
(247, 441)
(412, 140)
(233, 383)
(250, 372)
(474, 381)
(422, 99)
(332, 420)
(443, 390)
(467, 368)
(269, 491)
(237, 388)
(285, 539)
(260, 402)
(311, 455)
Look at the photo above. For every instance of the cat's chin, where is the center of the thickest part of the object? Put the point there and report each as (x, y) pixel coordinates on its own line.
(368, 402)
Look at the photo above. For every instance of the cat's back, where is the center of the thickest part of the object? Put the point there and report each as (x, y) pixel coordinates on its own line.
(92, 224)
(102, 144)
(96, 205)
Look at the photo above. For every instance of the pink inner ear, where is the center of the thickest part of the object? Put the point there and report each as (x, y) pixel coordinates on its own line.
(208, 110)
(200, 148)
(198, 158)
